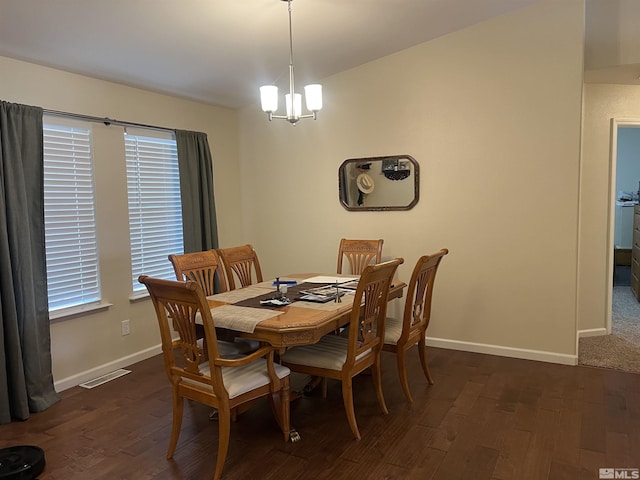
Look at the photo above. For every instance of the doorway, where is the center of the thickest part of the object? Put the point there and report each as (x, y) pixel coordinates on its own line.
(627, 191)
(625, 295)
(619, 345)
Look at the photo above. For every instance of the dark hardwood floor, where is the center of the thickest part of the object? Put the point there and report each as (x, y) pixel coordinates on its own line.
(486, 417)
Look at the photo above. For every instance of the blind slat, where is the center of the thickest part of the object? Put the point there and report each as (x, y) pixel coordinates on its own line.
(155, 209)
(70, 227)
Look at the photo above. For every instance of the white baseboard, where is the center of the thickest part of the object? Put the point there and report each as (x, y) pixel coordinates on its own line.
(593, 332)
(538, 355)
(524, 354)
(123, 362)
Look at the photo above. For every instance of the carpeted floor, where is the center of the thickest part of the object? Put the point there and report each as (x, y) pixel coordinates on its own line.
(621, 349)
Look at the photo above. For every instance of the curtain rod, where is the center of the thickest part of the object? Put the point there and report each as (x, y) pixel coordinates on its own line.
(107, 121)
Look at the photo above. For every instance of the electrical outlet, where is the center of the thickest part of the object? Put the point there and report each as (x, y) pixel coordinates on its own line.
(126, 327)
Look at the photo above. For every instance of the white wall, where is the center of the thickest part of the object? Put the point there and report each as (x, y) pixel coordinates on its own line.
(88, 345)
(628, 160)
(627, 178)
(492, 114)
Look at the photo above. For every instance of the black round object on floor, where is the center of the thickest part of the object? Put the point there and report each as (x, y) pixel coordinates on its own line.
(24, 462)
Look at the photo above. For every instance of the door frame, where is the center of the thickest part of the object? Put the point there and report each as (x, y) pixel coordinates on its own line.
(613, 163)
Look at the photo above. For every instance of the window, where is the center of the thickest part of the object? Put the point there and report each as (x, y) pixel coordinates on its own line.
(69, 216)
(155, 208)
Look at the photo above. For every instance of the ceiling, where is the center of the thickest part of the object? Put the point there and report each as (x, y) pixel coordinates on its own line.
(221, 51)
(218, 51)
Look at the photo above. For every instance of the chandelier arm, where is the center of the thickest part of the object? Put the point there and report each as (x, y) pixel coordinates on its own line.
(285, 117)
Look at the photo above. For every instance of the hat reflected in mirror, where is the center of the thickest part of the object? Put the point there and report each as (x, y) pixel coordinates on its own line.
(365, 183)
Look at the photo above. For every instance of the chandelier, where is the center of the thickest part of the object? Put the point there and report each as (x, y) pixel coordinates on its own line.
(293, 100)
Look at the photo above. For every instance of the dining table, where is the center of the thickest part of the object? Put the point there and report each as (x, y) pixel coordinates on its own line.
(298, 323)
(240, 313)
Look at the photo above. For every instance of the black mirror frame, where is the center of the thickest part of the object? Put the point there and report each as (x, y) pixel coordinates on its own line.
(416, 184)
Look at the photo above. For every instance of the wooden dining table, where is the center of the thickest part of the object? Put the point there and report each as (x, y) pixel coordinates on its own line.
(299, 323)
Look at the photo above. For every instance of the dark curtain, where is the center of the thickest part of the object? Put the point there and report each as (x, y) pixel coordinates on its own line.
(26, 381)
(199, 226)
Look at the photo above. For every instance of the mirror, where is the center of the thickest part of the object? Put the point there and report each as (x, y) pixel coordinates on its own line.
(379, 183)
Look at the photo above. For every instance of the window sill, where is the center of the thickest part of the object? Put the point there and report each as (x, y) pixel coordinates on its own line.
(139, 296)
(78, 311)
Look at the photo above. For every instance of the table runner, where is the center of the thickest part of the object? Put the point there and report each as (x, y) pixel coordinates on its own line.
(293, 292)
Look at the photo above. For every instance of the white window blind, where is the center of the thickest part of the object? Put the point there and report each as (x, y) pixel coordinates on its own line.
(69, 214)
(155, 208)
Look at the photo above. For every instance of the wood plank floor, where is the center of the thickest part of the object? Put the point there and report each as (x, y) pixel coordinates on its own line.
(486, 417)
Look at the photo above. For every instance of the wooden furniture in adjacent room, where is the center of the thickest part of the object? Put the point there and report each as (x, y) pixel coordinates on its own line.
(241, 263)
(343, 358)
(220, 383)
(635, 254)
(401, 334)
(359, 254)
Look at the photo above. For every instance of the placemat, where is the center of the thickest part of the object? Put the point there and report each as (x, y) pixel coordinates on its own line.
(240, 294)
(241, 319)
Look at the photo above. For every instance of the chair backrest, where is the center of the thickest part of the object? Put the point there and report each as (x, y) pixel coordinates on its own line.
(359, 253)
(417, 307)
(201, 267)
(178, 305)
(366, 323)
(240, 263)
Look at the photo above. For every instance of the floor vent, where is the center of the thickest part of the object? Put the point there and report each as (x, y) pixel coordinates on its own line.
(104, 378)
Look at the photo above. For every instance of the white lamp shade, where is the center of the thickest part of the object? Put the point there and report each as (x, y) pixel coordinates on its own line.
(297, 104)
(313, 97)
(269, 98)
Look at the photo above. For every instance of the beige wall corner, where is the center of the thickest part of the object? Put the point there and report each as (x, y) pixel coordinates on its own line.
(493, 115)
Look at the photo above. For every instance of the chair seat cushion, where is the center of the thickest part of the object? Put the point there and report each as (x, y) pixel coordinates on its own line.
(329, 353)
(239, 380)
(392, 330)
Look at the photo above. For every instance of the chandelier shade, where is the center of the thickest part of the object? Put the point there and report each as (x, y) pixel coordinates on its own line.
(313, 97)
(312, 93)
(269, 98)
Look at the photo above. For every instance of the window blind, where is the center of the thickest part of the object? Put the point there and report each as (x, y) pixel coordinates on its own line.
(69, 214)
(155, 208)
